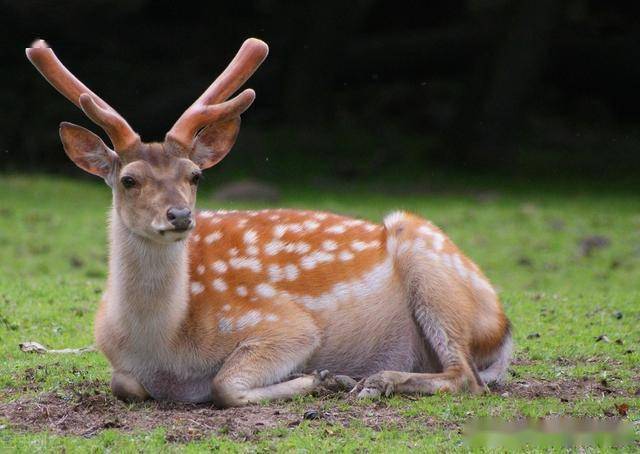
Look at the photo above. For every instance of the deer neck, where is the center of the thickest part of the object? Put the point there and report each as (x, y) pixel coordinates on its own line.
(148, 282)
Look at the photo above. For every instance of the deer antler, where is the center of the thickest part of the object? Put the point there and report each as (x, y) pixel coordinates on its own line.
(211, 107)
(101, 113)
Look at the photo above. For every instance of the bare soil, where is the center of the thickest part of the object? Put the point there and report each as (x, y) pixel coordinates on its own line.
(86, 408)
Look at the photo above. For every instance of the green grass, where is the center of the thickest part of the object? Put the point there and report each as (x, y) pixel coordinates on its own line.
(53, 267)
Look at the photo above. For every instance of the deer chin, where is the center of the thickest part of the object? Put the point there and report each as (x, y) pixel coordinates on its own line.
(173, 236)
(161, 234)
(167, 235)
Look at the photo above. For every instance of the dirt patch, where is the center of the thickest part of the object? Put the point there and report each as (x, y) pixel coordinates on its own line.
(565, 390)
(87, 408)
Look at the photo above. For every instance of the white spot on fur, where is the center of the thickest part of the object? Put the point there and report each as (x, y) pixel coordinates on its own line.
(265, 290)
(345, 256)
(241, 290)
(459, 266)
(196, 237)
(295, 228)
(425, 230)
(273, 247)
(274, 217)
(276, 274)
(250, 237)
(200, 269)
(252, 250)
(279, 230)
(360, 246)
(337, 228)
(226, 307)
(213, 236)
(320, 216)
(310, 226)
(436, 237)
(234, 251)
(438, 241)
(271, 317)
(329, 245)
(249, 319)
(219, 266)
(242, 223)
(309, 262)
(225, 325)
(299, 247)
(196, 287)
(220, 285)
(205, 214)
(250, 263)
(291, 272)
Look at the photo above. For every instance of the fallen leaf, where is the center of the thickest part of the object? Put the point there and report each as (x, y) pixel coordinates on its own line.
(622, 408)
(603, 338)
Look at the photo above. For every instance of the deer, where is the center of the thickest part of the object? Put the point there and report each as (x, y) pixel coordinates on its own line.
(241, 307)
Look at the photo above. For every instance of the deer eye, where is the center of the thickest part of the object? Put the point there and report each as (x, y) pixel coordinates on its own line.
(128, 182)
(195, 178)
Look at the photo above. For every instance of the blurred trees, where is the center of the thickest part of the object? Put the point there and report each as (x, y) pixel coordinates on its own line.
(357, 86)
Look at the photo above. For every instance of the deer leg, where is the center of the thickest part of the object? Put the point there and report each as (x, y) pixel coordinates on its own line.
(127, 388)
(286, 390)
(389, 382)
(252, 373)
(446, 336)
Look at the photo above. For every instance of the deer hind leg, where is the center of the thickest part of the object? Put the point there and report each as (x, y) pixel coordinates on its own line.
(458, 371)
(253, 372)
(442, 312)
(442, 305)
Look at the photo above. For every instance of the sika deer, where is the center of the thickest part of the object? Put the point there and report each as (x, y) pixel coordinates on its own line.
(223, 306)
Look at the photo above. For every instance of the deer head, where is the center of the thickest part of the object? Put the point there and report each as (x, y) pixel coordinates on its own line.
(154, 184)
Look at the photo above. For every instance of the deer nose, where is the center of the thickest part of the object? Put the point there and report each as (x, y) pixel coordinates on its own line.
(180, 218)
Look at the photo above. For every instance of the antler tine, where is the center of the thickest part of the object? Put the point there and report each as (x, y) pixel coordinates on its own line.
(210, 106)
(44, 59)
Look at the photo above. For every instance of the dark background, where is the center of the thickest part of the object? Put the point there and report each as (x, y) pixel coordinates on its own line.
(352, 90)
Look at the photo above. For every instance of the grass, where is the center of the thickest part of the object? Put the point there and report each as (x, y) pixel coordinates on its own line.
(560, 297)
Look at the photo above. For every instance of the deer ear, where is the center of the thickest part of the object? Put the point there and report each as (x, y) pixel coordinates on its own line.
(213, 143)
(87, 150)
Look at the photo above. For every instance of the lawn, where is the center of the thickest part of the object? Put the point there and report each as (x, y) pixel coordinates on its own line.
(566, 264)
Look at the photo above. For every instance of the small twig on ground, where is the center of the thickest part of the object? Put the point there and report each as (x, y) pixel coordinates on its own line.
(35, 347)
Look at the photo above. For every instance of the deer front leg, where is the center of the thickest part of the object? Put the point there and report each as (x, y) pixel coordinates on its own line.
(127, 388)
(253, 371)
